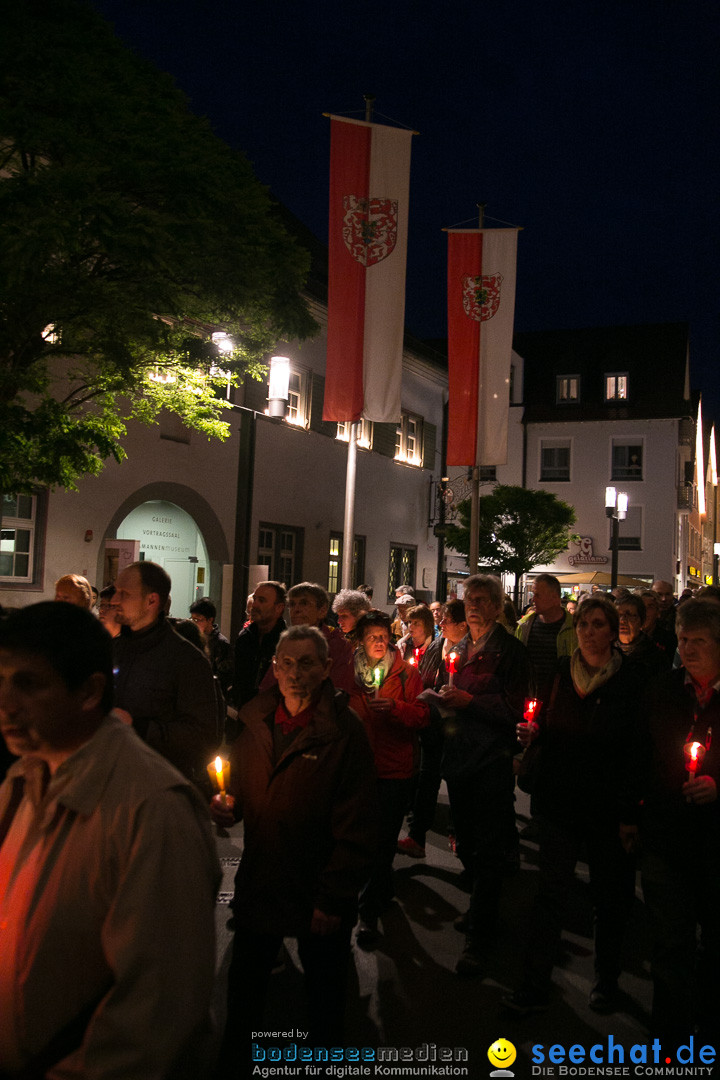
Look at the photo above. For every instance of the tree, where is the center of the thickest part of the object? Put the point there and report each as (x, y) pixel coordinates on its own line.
(128, 233)
(519, 529)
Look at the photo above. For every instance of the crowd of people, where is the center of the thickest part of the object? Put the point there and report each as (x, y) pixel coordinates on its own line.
(336, 728)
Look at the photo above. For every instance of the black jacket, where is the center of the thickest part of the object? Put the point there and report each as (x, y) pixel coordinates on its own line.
(166, 685)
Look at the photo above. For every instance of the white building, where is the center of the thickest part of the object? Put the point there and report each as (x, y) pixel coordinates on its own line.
(268, 502)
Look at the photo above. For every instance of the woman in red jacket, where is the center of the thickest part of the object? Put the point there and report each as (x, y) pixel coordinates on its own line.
(385, 700)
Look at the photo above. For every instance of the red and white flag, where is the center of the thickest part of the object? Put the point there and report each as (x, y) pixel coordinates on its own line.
(481, 312)
(369, 188)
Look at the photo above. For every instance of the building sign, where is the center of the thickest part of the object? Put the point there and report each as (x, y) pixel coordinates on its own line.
(585, 556)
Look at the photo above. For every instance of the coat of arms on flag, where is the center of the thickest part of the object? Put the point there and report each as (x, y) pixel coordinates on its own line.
(481, 296)
(369, 228)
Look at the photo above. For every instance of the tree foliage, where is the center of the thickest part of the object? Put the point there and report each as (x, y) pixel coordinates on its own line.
(518, 529)
(128, 232)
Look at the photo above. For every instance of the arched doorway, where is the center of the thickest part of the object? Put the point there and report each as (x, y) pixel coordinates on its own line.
(168, 535)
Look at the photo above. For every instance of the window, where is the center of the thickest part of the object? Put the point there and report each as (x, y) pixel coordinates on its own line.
(298, 412)
(409, 440)
(555, 461)
(630, 530)
(567, 388)
(364, 437)
(17, 538)
(280, 549)
(401, 570)
(335, 581)
(616, 387)
(627, 460)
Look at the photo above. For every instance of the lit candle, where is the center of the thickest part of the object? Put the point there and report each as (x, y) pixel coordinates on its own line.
(694, 753)
(532, 705)
(219, 771)
(377, 681)
(416, 657)
(451, 662)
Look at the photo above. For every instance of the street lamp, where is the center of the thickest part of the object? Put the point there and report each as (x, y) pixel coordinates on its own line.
(616, 504)
(278, 386)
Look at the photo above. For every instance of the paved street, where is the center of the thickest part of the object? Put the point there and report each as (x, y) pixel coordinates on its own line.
(406, 993)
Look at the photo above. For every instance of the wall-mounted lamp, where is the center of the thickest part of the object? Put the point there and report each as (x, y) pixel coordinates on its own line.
(278, 386)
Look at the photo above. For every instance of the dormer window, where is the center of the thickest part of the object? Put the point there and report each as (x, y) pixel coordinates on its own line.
(567, 388)
(616, 386)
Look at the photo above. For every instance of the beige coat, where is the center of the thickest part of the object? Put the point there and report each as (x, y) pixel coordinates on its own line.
(115, 918)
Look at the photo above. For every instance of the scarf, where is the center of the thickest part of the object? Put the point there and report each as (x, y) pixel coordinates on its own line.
(365, 670)
(586, 682)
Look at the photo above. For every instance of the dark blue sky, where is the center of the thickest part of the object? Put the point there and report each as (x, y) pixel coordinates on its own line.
(594, 125)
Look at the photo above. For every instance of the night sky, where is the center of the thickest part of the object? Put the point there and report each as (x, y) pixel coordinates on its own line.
(593, 125)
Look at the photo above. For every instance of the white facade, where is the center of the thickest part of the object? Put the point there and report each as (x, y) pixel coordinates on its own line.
(296, 491)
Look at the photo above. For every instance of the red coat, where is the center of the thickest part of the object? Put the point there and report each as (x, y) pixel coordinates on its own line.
(393, 737)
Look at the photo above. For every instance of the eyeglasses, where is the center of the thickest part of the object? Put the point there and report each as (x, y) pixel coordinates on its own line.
(385, 638)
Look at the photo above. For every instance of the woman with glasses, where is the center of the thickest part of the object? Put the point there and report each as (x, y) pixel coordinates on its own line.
(385, 699)
(634, 643)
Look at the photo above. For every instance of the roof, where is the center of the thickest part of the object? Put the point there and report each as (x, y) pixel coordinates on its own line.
(653, 356)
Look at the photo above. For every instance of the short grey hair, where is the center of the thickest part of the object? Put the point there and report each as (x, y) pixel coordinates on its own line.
(491, 584)
(305, 633)
(351, 600)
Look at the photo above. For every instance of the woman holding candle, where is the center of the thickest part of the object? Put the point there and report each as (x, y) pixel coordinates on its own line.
(386, 702)
(440, 656)
(421, 629)
(680, 833)
(590, 744)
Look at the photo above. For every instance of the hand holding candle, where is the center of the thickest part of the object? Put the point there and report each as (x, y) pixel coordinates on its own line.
(451, 662)
(219, 771)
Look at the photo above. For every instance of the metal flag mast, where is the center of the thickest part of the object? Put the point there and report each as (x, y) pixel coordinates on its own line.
(475, 485)
(351, 471)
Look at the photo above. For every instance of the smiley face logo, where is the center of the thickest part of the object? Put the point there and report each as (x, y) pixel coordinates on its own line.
(502, 1054)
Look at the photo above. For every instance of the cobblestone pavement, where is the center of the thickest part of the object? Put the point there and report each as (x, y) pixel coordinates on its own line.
(405, 993)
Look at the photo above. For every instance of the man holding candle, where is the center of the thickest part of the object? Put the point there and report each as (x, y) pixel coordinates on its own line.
(108, 872)
(302, 780)
(491, 684)
(680, 833)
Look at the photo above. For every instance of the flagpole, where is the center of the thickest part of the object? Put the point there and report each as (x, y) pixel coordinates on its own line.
(475, 485)
(351, 469)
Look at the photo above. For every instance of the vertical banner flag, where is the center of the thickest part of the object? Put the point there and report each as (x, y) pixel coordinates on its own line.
(369, 188)
(481, 313)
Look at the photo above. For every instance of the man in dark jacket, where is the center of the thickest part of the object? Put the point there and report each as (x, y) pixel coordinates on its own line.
(219, 650)
(255, 644)
(163, 684)
(303, 781)
(488, 697)
(680, 835)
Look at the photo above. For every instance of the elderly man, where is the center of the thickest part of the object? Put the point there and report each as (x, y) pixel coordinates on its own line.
(303, 781)
(680, 834)
(308, 605)
(547, 632)
(255, 644)
(164, 685)
(490, 688)
(98, 834)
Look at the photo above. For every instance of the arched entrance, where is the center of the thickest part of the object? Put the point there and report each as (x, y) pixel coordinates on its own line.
(168, 535)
